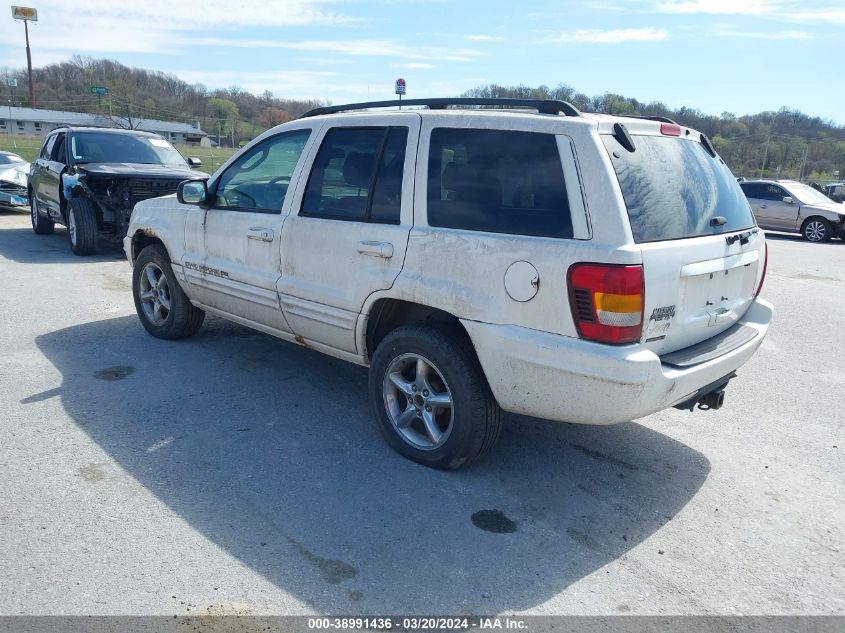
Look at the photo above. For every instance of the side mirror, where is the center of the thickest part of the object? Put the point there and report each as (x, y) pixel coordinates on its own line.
(193, 162)
(788, 200)
(192, 192)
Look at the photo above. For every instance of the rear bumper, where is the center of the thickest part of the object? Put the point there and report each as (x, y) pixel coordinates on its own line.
(570, 380)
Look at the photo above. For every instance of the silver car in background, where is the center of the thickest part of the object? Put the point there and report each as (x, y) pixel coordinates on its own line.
(788, 205)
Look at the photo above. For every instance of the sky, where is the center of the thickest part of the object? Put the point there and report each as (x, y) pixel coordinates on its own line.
(740, 56)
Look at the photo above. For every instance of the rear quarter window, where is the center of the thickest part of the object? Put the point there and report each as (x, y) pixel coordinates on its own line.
(673, 188)
(499, 181)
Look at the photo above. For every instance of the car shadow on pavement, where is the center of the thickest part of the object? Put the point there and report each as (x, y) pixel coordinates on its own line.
(22, 245)
(795, 237)
(269, 450)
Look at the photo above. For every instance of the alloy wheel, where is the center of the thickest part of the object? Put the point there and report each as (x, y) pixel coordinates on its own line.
(418, 401)
(154, 293)
(815, 231)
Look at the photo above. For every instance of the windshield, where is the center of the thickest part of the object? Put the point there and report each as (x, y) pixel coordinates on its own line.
(8, 159)
(104, 147)
(673, 188)
(807, 195)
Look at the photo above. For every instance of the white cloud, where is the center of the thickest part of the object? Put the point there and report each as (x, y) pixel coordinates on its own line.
(324, 61)
(153, 26)
(717, 7)
(362, 48)
(764, 35)
(824, 16)
(181, 16)
(483, 38)
(613, 36)
(414, 65)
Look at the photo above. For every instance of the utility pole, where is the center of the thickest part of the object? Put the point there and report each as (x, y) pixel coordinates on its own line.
(27, 15)
(29, 65)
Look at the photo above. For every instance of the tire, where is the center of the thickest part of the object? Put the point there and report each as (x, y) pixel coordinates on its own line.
(468, 427)
(816, 229)
(82, 226)
(40, 224)
(164, 309)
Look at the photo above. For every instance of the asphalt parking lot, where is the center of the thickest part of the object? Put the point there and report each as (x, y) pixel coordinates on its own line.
(237, 474)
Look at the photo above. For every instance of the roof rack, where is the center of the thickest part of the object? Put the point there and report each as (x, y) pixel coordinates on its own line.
(543, 106)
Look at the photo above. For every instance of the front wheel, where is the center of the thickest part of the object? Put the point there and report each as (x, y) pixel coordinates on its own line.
(40, 224)
(432, 401)
(164, 309)
(82, 226)
(817, 230)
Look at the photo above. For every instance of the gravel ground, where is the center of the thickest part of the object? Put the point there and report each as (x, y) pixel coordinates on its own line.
(237, 474)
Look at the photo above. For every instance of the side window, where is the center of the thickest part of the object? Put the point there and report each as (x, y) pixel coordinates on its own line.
(497, 181)
(773, 192)
(48, 146)
(751, 190)
(259, 180)
(58, 152)
(357, 175)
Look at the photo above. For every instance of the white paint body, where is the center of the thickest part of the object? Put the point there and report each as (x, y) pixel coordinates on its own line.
(307, 280)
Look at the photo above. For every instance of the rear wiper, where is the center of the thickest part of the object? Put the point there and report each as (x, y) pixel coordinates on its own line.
(742, 238)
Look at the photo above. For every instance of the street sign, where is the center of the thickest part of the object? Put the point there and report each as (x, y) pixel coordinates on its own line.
(98, 90)
(400, 86)
(24, 13)
(12, 82)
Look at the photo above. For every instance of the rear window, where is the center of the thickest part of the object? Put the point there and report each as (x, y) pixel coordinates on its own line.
(498, 181)
(673, 188)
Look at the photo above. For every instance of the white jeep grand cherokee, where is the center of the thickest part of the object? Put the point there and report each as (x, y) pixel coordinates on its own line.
(529, 258)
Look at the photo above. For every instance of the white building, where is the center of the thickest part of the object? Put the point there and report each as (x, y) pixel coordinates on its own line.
(37, 122)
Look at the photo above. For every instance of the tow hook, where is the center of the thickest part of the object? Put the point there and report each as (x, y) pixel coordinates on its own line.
(713, 400)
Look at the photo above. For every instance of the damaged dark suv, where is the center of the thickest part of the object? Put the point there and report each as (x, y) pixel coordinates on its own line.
(89, 179)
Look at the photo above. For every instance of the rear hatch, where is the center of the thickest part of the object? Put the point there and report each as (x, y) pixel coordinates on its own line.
(703, 255)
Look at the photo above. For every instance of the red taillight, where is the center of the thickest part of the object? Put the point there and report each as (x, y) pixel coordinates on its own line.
(607, 302)
(670, 129)
(765, 266)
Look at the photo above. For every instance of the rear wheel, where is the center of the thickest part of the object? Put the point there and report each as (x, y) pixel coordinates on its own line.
(817, 230)
(40, 224)
(82, 226)
(164, 309)
(431, 398)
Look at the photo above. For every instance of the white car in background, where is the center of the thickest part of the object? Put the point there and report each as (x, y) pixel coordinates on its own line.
(14, 176)
(575, 267)
(792, 206)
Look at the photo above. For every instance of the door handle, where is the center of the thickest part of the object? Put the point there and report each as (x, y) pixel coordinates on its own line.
(376, 249)
(764, 206)
(260, 233)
